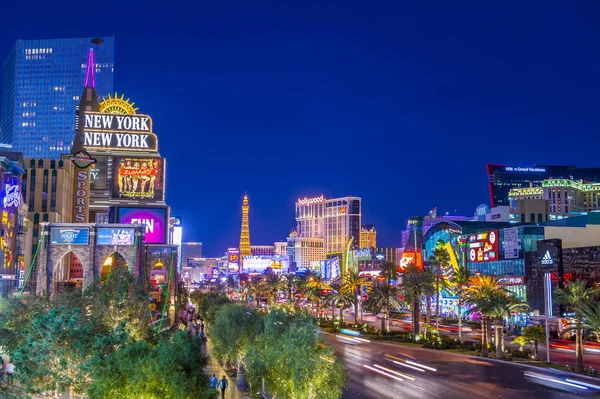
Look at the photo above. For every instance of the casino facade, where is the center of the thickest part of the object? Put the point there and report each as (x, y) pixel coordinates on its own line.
(115, 189)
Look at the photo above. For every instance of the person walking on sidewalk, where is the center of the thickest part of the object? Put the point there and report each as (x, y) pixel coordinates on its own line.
(10, 371)
(214, 381)
(223, 385)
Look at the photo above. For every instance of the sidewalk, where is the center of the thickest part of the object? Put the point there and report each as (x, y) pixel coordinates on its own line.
(213, 367)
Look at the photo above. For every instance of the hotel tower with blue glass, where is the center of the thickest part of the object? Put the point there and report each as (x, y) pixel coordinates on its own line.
(42, 81)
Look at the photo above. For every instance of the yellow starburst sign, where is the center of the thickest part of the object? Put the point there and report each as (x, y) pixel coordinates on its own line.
(117, 105)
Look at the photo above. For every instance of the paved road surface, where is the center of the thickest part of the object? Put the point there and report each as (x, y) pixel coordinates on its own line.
(456, 376)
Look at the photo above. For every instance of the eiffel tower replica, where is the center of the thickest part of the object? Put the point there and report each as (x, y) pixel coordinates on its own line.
(245, 233)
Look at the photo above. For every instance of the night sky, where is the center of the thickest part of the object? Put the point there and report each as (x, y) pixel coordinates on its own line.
(402, 105)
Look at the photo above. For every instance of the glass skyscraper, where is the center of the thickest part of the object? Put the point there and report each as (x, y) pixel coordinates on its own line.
(42, 83)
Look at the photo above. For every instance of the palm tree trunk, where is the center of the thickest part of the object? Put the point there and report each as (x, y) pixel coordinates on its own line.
(416, 315)
(484, 341)
(437, 302)
(356, 310)
(579, 350)
(535, 350)
(498, 326)
(383, 329)
(488, 330)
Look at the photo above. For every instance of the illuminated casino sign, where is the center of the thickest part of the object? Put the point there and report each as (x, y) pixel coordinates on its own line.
(308, 201)
(118, 132)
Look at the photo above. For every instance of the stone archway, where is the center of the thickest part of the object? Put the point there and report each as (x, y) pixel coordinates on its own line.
(67, 271)
(110, 262)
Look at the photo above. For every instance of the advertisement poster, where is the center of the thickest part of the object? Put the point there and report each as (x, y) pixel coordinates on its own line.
(483, 247)
(109, 236)
(138, 178)
(69, 235)
(155, 220)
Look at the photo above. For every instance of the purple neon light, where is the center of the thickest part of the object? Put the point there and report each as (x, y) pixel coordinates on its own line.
(90, 73)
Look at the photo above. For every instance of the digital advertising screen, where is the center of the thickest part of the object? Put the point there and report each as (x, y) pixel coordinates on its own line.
(70, 235)
(138, 178)
(483, 247)
(98, 173)
(155, 220)
(114, 236)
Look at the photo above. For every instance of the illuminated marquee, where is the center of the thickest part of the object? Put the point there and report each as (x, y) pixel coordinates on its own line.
(12, 195)
(112, 131)
(308, 201)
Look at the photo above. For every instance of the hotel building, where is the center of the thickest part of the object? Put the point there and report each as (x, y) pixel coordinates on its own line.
(336, 220)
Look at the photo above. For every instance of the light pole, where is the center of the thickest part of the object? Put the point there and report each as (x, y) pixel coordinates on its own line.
(548, 303)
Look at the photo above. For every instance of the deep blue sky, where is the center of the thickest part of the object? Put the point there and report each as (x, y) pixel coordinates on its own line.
(402, 105)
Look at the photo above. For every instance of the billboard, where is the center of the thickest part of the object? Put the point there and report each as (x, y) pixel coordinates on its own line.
(138, 178)
(411, 258)
(511, 243)
(155, 220)
(258, 264)
(98, 173)
(158, 252)
(233, 259)
(549, 254)
(483, 247)
(114, 236)
(70, 235)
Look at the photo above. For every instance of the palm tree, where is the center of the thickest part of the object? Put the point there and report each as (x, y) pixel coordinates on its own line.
(244, 280)
(315, 295)
(341, 300)
(440, 261)
(429, 291)
(460, 279)
(351, 280)
(272, 283)
(501, 306)
(389, 271)
(291, 282)
(591, 315)
(480, 295)
(415, 282)
(381, 300)
(576, 296)
(535, 333)
(230, 285)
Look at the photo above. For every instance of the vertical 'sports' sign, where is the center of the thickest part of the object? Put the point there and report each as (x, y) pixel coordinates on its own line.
(81, 187)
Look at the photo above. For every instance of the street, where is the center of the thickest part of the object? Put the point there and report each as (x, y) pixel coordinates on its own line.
(560, 353)
(455, 376)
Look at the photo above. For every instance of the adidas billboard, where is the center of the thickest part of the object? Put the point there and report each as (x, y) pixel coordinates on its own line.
(549, 253)
(547, 259)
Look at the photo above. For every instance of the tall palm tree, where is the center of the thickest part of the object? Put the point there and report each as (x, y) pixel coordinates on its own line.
(429, 290)
(381, 300)
(480, 295)
(461, 279)
(502, 305)
(340, 300)
(351, 280)
(389, 271)
(415, 282)
(290, 281)
(315, 295)
(440, 261)
(576, 296)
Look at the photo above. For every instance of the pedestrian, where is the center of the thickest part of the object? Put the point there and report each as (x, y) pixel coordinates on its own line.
(223, 385)
(214, 381)
(10, 370)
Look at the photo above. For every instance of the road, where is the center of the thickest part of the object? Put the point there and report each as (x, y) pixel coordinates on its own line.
(455, 376)
(560, 353)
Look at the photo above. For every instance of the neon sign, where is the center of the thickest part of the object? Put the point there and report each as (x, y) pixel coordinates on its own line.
(308, 201)
(526, 169)
(12, 195)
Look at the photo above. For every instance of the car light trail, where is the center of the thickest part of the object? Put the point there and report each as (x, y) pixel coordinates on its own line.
(382, 372)
(584, 383)
(361, 339)
(409, 366)
(349, 332)
(545, 378)
(408, 377)
(420, 365)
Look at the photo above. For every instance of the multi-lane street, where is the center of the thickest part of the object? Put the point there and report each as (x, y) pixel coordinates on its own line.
(381, 371)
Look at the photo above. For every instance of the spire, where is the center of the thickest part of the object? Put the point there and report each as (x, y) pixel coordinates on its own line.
(90, 72)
